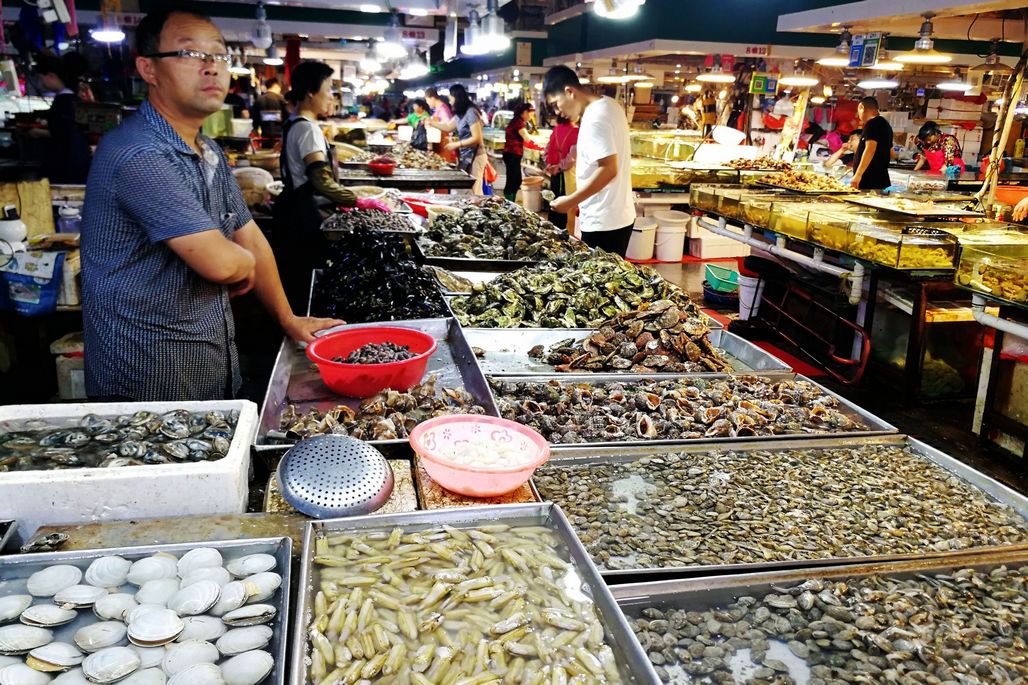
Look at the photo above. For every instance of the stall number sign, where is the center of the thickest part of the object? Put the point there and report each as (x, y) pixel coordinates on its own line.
(864, 49)
(409, 34)
(764, 84)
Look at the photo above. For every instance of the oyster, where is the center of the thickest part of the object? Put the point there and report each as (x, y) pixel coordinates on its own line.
(53, 657)
(22, 639)
(251, 564)
(248, 668)
(239, 640)
(48, 616)
(97, 636)
(195, 599)
(182, 655)
(110, 665)
(53, 579)
(11, 606)
(109, 572)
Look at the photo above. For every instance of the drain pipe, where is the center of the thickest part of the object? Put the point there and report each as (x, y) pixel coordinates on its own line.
(779, 249)
(1007, 326)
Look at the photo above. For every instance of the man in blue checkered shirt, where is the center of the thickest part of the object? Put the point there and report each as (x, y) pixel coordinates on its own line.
(167, 238)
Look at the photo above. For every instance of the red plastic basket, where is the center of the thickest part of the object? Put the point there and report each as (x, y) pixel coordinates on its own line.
(365, 380)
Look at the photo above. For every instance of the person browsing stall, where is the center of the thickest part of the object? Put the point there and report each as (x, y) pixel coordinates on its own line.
(441, 114)
(516, 139)
(871, 160)
(471, 155)
(846, 152)
(416, 119)
(560, 166)
(603, 173)
(939, 150)
(166, 236)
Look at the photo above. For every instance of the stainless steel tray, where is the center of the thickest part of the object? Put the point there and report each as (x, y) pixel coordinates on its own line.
(476, 277)
(316, 275)
(15, 570)
(876, 426)
(7, 530)
(470, 264)
(702, 594)
(711, 323)
(928, 209)
(411, 229)
(988, 486)
(626, 648)
(506, 351)
(295, 380)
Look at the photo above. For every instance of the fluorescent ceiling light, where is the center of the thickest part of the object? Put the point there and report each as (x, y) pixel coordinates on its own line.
(716, 76)
(833, 61)
(391, 45)
(107, 34)
(271, 58)
(617, 9)
(878, 84)
(886, 64)
(954, 84)
(643, 84)
(799, 79)
(693, 88)
(817, 100)
(370, 62)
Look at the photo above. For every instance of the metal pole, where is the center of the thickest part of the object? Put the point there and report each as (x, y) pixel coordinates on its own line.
(1011, 95)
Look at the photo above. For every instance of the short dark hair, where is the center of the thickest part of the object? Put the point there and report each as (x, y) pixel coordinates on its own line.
(148, 32)
(431, 92)
(869, 101)
(70, 67)
(559, 78)
(271, 82)
(520, 109)
(306, 78)
(857, 132)
(929, 128)
(420, 102)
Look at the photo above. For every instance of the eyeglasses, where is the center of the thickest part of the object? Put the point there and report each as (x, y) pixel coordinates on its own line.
(204, 57)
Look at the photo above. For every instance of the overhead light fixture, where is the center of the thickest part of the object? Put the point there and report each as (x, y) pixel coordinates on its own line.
(617, 9)
(107, 32)
(370, 9)
(370, 63)
(955, 84)
(799, 78)
(638, 74)
(494, 30)
(817, 100)
(693, 88)
(414, 68)
(260, 36)
(643, 84)
(473, 44)
(886, 64)
(238, 68)
(391, 45)
(924, 48)
(841, 56)
(715, 75)
(992, 63)
(271, 58)
(614, 75)
(878, 84)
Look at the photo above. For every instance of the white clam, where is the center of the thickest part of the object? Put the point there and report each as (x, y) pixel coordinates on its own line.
(262, 586)
(157, 591)
(248, 668)
(198, 558)
(56, 656)
(232, 597)
(113, 607)
(239, 640)
(135, 612)
(108, 572)
(72, 677)
(251, 564)
(198, 674)
(11, 606)
(97, 636)
(53, 579)
(195, 599)
(155, 627)
(149, 657)
(207, 628)
(8, 660)
(146, 676)
(160, 565)
(80, 596)
(213, 573)
(182, 655)
(21, 639)
(47, 616)
(20, 674)
(250, 615)
(110, 665)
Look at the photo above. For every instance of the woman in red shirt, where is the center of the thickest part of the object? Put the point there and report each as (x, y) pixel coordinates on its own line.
(560, 166)
(514, 148)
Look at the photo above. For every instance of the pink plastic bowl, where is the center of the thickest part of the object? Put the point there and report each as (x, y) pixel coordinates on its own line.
(365, 380)
(475, 481)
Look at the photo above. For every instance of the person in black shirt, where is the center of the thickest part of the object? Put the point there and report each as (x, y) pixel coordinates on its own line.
(67, 156)
(871, 161)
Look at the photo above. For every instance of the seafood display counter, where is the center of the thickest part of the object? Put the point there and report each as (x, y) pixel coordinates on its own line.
(998, 271)
(845, 624)
(410, 179)
(191, 613)
(508, 587)
(741, 507)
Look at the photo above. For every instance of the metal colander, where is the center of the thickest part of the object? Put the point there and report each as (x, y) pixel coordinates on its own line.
(329, 476)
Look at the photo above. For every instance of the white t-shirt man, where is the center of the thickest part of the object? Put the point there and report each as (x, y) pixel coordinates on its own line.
(602, 132)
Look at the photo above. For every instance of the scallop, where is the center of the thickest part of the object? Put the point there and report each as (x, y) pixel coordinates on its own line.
(12, 606)
(20, 639)
(51, 580)
(146, 676)
(155, 627)
(182, 655)
(109, 572)
(114, 607)
(56, 656)
(97, 636)
(232, 597)
(248, 668)
(47, 616)
(201, 557)
(206, 628)
(110, 665)
(72, 677)
(262, 586)
(198, 674)
(80, 596)
(249, 615)
(157, 591)
(213, 573)
(149, 657)
(20, 674)
(251, 564)
(239, 640)
(195, 599)
(160, 565)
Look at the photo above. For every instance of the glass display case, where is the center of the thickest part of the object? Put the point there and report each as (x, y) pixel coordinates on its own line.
(830, 228)
(703, 196)
(728, 204)
(997, 270)
(675, 146)
(790, 218)
(910, 247)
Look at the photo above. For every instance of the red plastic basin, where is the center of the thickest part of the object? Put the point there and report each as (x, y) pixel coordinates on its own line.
(365, 380)
(382, 169)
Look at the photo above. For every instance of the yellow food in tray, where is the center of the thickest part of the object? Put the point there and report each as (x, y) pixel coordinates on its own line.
(1001, 281)
(924, 257)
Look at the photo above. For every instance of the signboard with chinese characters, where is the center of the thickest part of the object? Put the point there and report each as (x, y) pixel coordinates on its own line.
(758, 50)
(764, 84)
(864, 49)
(524, 53)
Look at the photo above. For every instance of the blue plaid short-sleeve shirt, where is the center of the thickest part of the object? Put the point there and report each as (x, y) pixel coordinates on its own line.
(154, 328)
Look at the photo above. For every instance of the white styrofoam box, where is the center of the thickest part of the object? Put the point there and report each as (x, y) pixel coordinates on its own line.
(88, 495)
(71, 378)
(709, 249)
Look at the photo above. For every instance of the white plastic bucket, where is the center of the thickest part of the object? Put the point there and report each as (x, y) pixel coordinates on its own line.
(532, 197)
(644, 233)
(241, 128)
(750, 292)
(670, 238)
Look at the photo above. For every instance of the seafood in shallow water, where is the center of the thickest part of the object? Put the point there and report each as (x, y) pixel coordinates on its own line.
(377, 353)
(673, 409)
(581, 290)
(966, 627)
(481, 605)
(129, 440)
(368, 219)
(390, 415)
(724, 507)
(450, 281)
